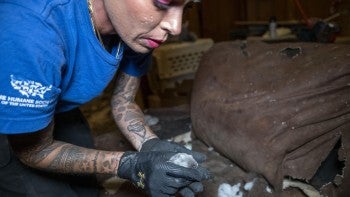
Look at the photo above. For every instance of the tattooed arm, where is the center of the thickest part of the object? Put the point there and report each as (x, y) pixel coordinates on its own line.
(39, 150)
(127, 114)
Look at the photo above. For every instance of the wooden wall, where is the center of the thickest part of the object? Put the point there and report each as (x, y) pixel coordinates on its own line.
(285, 9)
(217, 18)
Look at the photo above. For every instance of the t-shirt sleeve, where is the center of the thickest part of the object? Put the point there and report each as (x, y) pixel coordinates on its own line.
(30, 61)
(135, 64)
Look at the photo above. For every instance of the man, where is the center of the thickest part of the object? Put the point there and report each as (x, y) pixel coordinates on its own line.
(58, 54)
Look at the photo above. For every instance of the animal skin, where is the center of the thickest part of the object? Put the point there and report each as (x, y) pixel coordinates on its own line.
(276, 109)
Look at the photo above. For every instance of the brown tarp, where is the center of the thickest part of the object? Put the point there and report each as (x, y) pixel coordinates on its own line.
(274, 109)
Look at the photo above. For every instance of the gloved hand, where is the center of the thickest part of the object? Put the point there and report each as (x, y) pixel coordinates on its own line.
(153, 172)
(157, 144)
(191, 190)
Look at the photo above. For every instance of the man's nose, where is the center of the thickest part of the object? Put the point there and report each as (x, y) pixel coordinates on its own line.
(172, 21)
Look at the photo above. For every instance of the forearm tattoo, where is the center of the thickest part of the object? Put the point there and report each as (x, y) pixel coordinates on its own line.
(137, 127)
(39, 150)
(126, 112)
(68, 158)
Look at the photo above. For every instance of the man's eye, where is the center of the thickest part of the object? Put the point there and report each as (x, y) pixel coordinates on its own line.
(162, 4)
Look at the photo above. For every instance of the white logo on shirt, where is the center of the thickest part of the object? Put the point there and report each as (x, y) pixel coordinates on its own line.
(29, 88)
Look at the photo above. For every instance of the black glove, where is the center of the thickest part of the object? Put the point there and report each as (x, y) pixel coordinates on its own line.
(157, 144)
(153, 172)
(191, 190)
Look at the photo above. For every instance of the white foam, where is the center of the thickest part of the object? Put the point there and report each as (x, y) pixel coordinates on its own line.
(248, 186)
(268, 189)
(226, 190)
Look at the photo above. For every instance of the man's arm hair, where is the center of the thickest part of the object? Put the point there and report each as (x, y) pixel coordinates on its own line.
(127, 114)
(39, 150)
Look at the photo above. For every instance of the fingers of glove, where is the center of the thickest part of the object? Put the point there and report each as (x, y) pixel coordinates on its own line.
(191, 189)
(186, 192)
(162, 189)
(167, 184)
(198, 174)
(199, 157)
(171, 191)
(159, 194)
(196, 187)
(204, 172)
(179, 182)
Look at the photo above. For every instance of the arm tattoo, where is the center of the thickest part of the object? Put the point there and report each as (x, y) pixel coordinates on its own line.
(138, 128)
(131, 115)
(126, 87)
(121, 109)
(66, 158)
(118, 117)
(95, 161)
(39, 150)
(126, 112)
(38, 156)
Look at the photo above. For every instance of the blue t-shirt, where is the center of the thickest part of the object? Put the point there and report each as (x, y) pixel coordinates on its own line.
(51, 61)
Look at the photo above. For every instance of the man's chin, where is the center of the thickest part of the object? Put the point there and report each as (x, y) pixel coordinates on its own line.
(141, 49)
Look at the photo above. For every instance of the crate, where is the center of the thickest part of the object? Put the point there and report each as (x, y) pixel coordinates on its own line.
(173, 69)
(177, 59)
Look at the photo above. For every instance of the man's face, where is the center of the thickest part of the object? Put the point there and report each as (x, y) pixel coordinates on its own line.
(144, 24)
